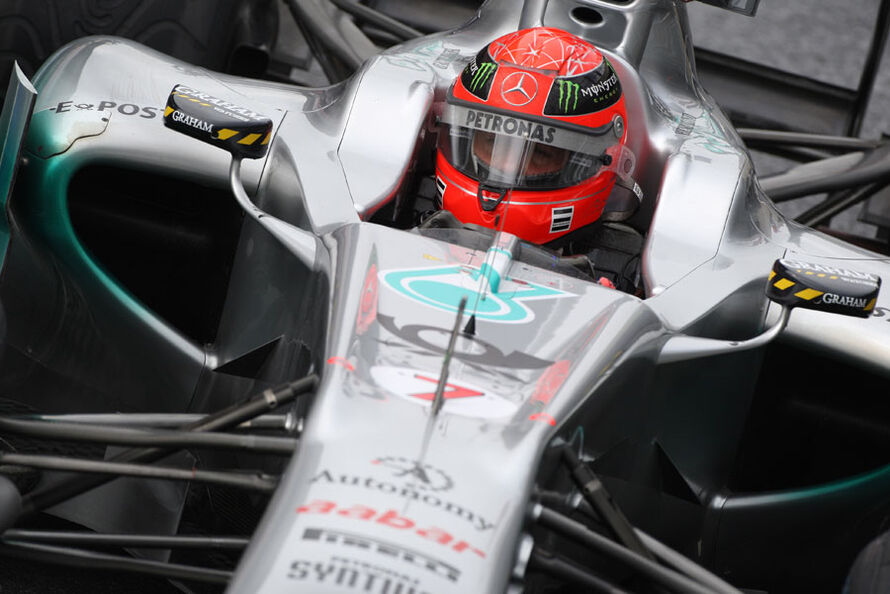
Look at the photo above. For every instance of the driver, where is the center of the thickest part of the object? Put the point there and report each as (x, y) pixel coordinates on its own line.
(532, 137)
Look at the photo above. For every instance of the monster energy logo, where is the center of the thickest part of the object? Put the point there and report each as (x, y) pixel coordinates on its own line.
(569, 91)
(482, 74)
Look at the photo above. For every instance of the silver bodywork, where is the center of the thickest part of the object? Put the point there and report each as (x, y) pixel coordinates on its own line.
(352, 512)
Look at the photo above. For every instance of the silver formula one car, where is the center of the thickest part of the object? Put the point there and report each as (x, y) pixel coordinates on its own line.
(246, 350)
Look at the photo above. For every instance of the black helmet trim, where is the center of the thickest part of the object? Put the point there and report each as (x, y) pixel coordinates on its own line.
(478, 75)
(581, 95)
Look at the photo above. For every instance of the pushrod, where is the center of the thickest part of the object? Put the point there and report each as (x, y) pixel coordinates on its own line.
(253, 482)
(159, 420)
(93, 560)
(148, 437)
(231, 416)
(578, 532)
(566, 571)
(140, 541)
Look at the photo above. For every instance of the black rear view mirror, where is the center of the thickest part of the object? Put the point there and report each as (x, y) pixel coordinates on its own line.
(793, 283)
(239, 130)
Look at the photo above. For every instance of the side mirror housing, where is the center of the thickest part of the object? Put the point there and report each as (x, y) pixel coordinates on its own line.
(239, 130)
(793, 283)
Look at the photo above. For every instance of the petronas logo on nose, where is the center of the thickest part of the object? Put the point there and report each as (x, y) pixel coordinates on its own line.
(568, 93)
(482, 74)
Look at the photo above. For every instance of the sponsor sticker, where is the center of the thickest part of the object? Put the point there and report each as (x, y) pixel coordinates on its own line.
(519, 88)
(405, 489)
(128, 109)
(416, 474)
(686, 125)
(222, 106)
(388, 550)
(481, 73)
(466, 119)
(461, 398)
(192, 121)
(821, 270)
(508, 126)
(568, 95)
(441, 186)
(478, 75)
(394, 520)
(844, 300)
(561, 218)
(352, 574)
(586, 93)
(443, 288)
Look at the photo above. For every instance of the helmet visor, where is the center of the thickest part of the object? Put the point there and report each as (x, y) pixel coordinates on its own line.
(506, 151)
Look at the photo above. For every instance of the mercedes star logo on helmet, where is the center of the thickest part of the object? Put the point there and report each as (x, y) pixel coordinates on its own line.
(519, 88)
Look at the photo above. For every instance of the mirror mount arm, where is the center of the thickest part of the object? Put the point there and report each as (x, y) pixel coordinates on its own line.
(684, 348)
(240, 193)
(299, 242)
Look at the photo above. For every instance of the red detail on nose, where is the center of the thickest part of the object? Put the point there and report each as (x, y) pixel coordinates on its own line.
(342, 362)
(551, 381)
(543, 417)
(451, 391)
(367, 311)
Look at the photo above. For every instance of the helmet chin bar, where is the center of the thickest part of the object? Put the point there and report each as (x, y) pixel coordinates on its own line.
(489, 205)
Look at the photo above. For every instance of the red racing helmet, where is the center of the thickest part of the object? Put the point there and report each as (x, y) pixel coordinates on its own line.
(535, 122)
